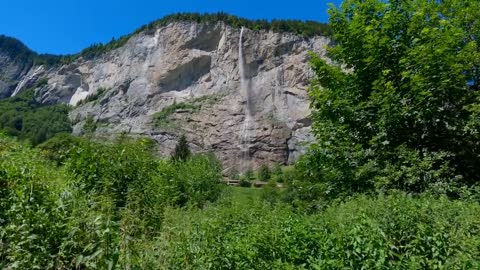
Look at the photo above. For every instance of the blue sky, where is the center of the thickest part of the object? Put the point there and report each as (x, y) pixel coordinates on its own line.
(67, 26)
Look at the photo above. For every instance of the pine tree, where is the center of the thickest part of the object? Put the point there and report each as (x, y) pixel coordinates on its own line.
(182, 151)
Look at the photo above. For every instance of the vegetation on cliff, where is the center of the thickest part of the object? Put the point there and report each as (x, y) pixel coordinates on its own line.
(19, 52)
(24, 117)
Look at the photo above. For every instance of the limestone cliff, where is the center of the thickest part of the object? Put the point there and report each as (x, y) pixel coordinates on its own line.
(184, 78)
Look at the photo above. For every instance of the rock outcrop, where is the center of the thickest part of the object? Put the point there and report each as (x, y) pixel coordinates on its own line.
(11, 71)
(183, 78)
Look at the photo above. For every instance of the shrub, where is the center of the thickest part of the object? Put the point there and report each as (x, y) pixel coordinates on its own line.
(234, 174)
(270, 193)
(264, 173)
(399, 232)
(29, 120)
(394, 232)
(89, 126)
(244, 182)
(31, 214)
(57, 148)
(249, 175)
(277, 172)
(113, 170)
(193, 182)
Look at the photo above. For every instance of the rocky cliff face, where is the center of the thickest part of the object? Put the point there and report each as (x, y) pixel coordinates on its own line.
(184, 78)
(11, 71)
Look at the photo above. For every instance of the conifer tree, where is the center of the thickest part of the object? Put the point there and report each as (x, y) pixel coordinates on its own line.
(182, 151)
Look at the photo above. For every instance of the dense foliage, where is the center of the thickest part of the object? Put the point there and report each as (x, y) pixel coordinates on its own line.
(17, 51)
(116, 206)
(398, 109)
(264, 173)
(395, 232)
(94, 204)
(24, 117)
(302, 28)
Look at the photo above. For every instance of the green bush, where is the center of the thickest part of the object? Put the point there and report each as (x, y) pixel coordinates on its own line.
(31, 214)
(114, 170)
(264, 173)
(195, 181)
(399, 232)
(57, 148)
(24, 117)
(90, 126)
(244, 182)
(277, 172)
(396, 232)
(249, 175)
(270, 193)
(397, 108)
(95, 206)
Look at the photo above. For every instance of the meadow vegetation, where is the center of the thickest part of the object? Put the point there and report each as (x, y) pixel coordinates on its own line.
(71, 203)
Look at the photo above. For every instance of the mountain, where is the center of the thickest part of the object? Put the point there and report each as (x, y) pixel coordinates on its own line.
(244, 99)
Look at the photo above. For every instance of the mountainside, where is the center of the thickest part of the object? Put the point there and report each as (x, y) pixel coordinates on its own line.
(12, 68)
(185, 77)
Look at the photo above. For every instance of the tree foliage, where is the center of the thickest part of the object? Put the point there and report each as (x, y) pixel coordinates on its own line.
(91, 208)
(398, 109)
(18, 51)
(182, 150)
(264, 173)
(28, 119)
(116, 206)
(302, 28)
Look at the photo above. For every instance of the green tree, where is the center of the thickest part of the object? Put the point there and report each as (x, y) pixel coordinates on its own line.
(249, 174)
(398, 109)
(182, 151)
(23, 116)
(264, 173)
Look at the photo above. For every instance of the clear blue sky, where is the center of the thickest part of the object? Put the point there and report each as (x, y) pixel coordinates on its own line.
(67, 26)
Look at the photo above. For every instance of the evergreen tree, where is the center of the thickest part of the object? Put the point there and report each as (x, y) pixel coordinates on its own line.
(182, 151)
(264, 173)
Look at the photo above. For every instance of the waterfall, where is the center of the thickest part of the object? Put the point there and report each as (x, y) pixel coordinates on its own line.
(248, 128)
(27, 78)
